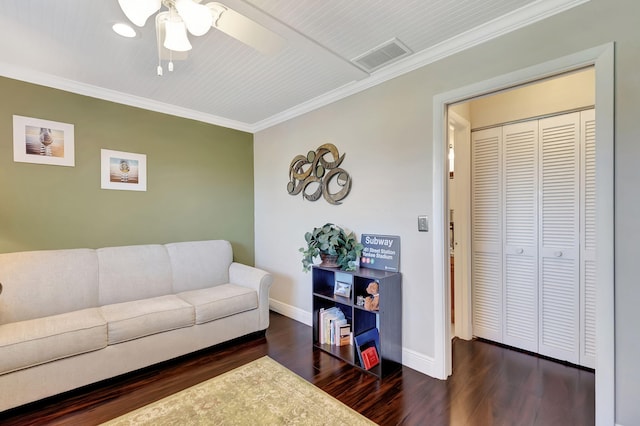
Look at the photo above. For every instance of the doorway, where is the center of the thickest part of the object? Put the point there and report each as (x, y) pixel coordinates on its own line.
(511, 304)
(602, 58)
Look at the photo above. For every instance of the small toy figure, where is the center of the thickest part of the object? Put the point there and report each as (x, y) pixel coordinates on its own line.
(372, 302)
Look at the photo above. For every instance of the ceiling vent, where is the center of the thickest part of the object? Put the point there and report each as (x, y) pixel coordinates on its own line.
(382, 55)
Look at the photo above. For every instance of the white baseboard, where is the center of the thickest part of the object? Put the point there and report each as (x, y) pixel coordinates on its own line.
(292, 312)
(412, 359)
(419, 362)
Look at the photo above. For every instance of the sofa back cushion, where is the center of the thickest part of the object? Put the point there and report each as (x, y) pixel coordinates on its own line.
(199, 264)
(37, 284)
(132, 273)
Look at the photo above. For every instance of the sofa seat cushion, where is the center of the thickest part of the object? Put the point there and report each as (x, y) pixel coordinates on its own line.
(27, 343)
(220, 301)
(139, 318)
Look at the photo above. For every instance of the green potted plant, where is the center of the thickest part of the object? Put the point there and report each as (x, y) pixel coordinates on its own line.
(336, 248)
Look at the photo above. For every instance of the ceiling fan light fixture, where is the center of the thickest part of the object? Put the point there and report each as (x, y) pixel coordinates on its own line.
(176, 35)
(182, 17)
(196, 17)
(124, 30)
(138, 11)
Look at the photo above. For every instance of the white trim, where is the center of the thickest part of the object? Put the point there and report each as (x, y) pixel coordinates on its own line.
(418, 361)
(462, 291)
(512, 21)
(602, 57)
(605, 250)
(49, 80)
(519, 18)
(292, 312)
(441, 312)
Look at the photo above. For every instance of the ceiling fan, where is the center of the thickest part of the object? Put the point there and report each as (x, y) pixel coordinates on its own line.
(196, 18)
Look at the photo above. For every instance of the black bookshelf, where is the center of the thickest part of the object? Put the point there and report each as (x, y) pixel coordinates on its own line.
(387, 320)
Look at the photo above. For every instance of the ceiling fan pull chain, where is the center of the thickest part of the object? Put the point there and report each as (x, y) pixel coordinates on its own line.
(159, 69)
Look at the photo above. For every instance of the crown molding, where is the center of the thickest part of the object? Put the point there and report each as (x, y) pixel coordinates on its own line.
(56, 82)
(512, 21)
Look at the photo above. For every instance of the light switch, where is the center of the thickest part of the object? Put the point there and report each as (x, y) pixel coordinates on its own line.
(423, 223)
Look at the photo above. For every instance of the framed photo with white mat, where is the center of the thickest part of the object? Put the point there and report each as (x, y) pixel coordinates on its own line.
(43, 142)
(125, 171)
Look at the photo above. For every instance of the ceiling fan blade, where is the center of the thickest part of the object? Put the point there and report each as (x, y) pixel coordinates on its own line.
(246, 30)
(138, 11)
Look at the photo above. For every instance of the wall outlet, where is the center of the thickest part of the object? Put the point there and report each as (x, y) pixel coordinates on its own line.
(423, 223)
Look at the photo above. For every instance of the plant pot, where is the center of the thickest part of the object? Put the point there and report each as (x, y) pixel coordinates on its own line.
(329, 260)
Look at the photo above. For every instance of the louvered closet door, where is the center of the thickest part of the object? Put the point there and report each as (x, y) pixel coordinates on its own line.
(520, 254)
(559, 286)
(588, 241)
(486, 210)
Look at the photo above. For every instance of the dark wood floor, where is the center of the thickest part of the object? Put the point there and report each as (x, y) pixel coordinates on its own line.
(490, 385)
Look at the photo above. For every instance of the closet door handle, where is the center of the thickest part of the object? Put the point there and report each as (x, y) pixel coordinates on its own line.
(557, 253)
(520, 251)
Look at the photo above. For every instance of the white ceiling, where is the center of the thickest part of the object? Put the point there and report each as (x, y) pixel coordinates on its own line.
(69, 44)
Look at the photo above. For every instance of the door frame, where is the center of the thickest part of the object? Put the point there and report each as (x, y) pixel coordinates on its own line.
(602, 58)
(462, 231)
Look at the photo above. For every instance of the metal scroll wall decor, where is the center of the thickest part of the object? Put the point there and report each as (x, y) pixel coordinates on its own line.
(312, 175)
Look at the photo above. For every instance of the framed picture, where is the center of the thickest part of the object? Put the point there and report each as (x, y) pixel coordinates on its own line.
(342, 289)
(42, 142)
(124, 171)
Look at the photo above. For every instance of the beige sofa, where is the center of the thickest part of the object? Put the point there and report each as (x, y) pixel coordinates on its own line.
(73, 317)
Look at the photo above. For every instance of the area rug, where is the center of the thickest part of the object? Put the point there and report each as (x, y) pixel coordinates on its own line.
(259, 393)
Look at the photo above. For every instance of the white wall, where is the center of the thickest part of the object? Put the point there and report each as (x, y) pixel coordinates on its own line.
(386, 134)
(385, 156)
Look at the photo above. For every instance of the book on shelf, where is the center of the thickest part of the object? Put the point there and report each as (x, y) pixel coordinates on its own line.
(364, 341)
(370, 357)
(345, 335)
(334, 325)
(324, 316)
(331, 325)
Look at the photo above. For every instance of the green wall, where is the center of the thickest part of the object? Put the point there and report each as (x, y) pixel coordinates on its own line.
(199, 178)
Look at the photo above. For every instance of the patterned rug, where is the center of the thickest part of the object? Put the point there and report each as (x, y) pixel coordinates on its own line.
(259, 393)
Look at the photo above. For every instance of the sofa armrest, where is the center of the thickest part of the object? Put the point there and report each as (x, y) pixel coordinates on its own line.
(257, 279)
